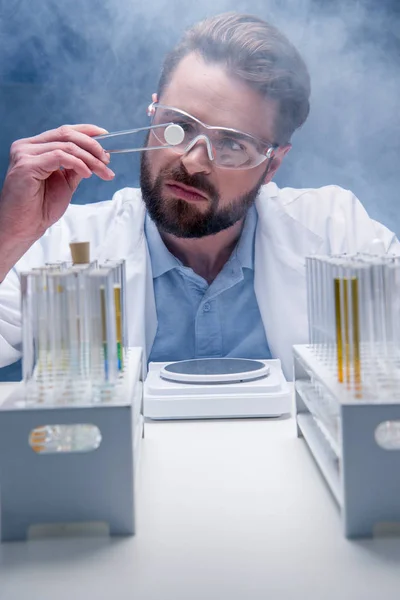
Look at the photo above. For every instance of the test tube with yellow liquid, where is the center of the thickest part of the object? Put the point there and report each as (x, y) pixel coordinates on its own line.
(118, 268)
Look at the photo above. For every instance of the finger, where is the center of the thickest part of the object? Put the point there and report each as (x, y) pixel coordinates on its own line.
(95, 165)
(45, 164)
(89, 129)
(71, 133)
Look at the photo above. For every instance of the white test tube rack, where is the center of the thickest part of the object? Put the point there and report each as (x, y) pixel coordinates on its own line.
(72, 487)
(362, 474)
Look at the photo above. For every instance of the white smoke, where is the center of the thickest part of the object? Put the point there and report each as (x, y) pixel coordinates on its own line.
(99, 60)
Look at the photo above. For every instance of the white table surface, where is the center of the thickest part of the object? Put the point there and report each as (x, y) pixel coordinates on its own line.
(226, 510)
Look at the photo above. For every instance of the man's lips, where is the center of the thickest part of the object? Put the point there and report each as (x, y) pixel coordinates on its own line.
(185, 192)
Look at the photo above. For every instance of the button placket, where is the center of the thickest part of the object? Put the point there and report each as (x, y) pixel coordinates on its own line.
(208, 330)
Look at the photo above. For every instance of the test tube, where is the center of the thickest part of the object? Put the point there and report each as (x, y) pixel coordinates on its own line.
(100, 306)
(379, 308)
(76, 331)
(29, 325)
(312, 301)
(366, 310)
(352, 327)
(118, 268)
(328, 310)
(366, 305)
(332, 345)
(82, 317)
(392, 312)
(59, 343)
(355, 318)
(42, 334)
(118, 325)
(346, 326)
(309, 283)
(322, 308)
(339, 327)
(318, 303)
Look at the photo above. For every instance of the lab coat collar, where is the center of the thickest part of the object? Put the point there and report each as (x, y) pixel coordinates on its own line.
(282, 242)
(244, 250)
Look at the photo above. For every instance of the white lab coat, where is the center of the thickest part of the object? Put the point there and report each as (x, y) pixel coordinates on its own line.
(292, 224)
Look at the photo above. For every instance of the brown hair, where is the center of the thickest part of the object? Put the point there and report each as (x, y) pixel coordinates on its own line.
(257, 53)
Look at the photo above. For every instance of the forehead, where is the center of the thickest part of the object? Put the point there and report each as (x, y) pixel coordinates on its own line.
(210, 93)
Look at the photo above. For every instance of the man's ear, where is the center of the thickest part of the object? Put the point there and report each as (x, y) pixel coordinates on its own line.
(150, 108)
(279, 155)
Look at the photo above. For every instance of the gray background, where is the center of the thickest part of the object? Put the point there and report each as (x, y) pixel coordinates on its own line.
(98, 61)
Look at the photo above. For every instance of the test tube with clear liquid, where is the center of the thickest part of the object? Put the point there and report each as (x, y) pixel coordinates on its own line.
(100, 306)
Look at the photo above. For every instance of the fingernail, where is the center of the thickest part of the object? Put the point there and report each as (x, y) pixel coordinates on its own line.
(111, 172)
(106, 157)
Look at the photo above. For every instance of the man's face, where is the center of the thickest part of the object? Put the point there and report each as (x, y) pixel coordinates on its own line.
(218, 198)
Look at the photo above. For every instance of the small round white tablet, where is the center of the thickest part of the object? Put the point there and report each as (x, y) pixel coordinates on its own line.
(174, 134)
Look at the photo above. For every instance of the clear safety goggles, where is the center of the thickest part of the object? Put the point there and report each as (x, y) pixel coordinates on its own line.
(174, 128)
(227, 148)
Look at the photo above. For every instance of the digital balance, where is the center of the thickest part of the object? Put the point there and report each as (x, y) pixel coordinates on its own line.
(211, 388)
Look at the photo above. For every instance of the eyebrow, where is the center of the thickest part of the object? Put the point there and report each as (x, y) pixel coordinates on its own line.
(174, 112)
(237, 134)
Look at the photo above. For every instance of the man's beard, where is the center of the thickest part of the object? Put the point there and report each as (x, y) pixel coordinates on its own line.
(183, 219)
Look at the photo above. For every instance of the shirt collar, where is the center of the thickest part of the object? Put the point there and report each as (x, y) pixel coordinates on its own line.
(162, 260)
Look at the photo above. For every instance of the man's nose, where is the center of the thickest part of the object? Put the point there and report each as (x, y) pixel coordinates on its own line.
(197, 158)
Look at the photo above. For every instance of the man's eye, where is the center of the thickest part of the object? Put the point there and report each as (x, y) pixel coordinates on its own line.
(188, 127)
(231, 144)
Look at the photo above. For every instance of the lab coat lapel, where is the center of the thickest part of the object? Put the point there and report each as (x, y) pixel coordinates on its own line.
(281, 245)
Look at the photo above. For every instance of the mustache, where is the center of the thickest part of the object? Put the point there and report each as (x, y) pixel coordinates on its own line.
(197, 181)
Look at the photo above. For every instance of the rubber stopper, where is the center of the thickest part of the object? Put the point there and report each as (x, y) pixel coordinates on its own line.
(80, 252)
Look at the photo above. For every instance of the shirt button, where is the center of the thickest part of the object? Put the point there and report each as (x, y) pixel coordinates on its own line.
(207, 307)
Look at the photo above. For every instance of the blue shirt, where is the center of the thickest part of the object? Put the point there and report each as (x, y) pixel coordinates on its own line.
(198, 320)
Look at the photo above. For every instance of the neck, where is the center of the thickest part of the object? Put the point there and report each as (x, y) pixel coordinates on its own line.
(206, 255)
